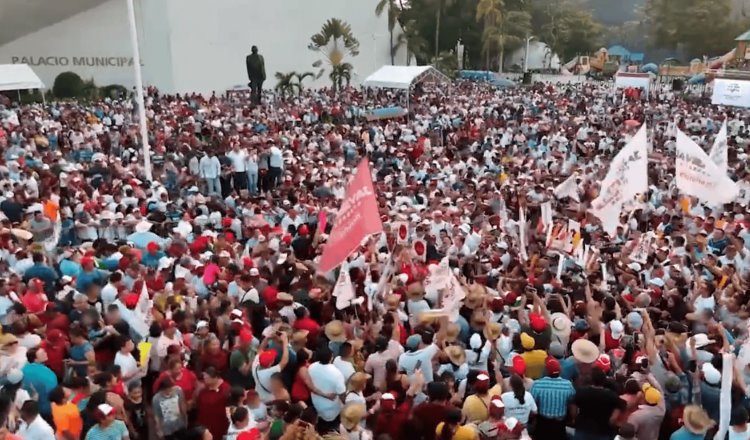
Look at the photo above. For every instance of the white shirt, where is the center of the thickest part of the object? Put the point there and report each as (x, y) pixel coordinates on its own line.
(262, 378)
(514, 408)
(345, 367)
(275, 160)
(109, 294)
(128, 365)
(328, 379)
(210, 167)
(38, 429)
(238, 159)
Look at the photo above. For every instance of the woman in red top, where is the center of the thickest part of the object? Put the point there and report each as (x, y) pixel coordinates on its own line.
(56, 347)
(214, 356)
(181, 376)
(303, 384)
(211, 404)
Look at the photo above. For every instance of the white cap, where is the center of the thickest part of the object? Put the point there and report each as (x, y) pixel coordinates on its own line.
(201, 324)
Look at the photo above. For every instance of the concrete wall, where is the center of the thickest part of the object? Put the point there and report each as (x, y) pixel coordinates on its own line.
(192, 45)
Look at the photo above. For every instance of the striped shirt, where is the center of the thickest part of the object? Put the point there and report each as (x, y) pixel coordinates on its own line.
(552, 395)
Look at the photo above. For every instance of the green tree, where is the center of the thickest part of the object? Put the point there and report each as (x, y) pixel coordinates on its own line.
(566, 28)
(413, 41)
(697, 27)
(503, 28)
(439, 6)
(335, 42)
(393, 10)
(300, 77)
(68, 85)
(340, 74)
(284, 83)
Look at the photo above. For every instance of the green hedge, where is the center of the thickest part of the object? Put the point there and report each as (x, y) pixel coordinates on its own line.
(68, 85)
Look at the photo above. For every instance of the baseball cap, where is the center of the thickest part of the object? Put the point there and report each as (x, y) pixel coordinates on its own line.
(651, 395)
(266, 358)
(106, 409)
(552, 365)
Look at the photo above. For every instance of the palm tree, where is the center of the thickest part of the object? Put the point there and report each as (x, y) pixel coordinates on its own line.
(341, 73)
(439, 5)
(415, 43)
(490, 13)
(301, 77)
(334, 41)
(393, 12)
(503, 28)
(284, 85)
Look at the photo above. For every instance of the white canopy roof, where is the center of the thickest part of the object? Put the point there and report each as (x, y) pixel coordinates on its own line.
(18, 77)
(402, 77)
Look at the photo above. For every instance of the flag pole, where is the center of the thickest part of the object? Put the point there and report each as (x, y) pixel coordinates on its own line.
(139, 90)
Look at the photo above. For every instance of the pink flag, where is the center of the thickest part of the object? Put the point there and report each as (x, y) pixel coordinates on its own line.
(322, 221)
(356, 219)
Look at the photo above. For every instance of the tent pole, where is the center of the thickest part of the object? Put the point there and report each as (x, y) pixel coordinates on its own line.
(44, 99)
(19, 96)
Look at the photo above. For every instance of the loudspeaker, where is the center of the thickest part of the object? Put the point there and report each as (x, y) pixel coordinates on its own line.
(678, 84)
(527, 78)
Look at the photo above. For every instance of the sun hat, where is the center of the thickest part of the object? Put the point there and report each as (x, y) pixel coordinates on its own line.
(335, 332)
(561, 324)
(696, 420)
(492, 331)
(352, 414)
(585, 351)
(701, 340)
(455, 354)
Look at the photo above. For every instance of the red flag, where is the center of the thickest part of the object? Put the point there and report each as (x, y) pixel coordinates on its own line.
(322, 221)
(356, 219)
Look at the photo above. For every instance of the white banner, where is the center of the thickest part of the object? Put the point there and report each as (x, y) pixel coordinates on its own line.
(698, 176)
(733, 92)
(642, 249)
(522, 234)
(627, 176)
(402, 232)
(569, 188)
(546, 208)
(344, 291)
(718, 153)
(725, 395)
(453, 294)
(439, 277)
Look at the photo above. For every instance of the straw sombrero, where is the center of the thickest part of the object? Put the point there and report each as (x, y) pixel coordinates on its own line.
(561, 324)
(452, 332)
(392, 302)
(352, 414)
(696, 420)
(585, 351)
(492, 331)
(335, 332)
(455, 354)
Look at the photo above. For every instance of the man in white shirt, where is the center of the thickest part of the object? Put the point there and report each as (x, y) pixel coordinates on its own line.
(210, 170)
(239, 167)
(33, 426)
(263, 367)
(275, 165)
(329, 380)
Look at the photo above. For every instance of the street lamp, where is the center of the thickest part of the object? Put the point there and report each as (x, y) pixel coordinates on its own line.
(526, 55)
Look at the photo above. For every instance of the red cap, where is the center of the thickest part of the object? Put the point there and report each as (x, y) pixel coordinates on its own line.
(287, 239)
(168, 323)
(537, 322)
(303, 230)
(152, 246)
(510, 298)
(497, 305)
(247, 262)
(519, 365)
(226, 222)
(131, 300)
(245, 336)
(603, 363)
(267, 358)
(87, 261)
(552, 365)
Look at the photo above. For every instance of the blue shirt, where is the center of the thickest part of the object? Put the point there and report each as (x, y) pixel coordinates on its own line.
(70, 268)
(684, 434)
(552, 395)
(408, 361)
(78, 353)
(116, 431)
(39, 378)
(85, 279)
(151, 260)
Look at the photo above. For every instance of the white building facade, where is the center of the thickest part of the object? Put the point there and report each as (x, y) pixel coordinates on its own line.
(190, 45)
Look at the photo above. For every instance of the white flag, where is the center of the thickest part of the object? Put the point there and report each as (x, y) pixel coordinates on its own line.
(569, 188)
(718, 152)
(546, 208)
(522, 234)
(453, 294)
(344, 291)
(627, 176)
(698, 176)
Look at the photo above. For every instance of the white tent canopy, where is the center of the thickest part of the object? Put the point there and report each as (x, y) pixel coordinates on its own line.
(18, 77)
(402, 77)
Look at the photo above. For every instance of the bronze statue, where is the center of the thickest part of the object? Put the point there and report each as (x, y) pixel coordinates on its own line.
(256, 73)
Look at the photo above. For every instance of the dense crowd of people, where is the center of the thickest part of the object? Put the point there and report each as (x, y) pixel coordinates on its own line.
(190, 306)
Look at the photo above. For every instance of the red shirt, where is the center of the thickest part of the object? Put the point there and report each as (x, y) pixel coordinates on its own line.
(59, 321)
(55, 356)
(219, 360)
(186, 382)
(393, 423)
(429, 415)
(211, 406)
(269, 295)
